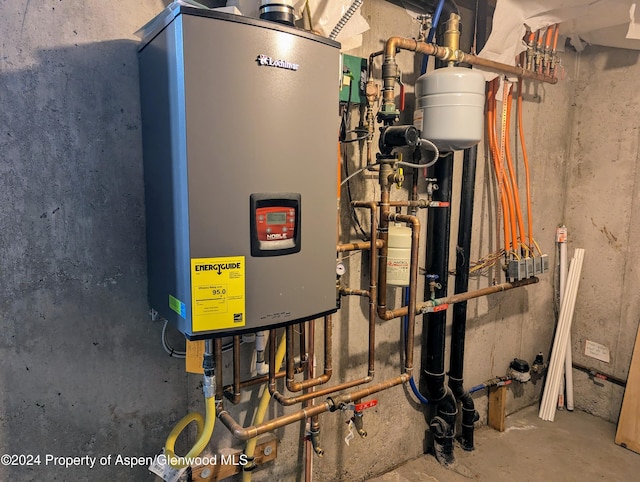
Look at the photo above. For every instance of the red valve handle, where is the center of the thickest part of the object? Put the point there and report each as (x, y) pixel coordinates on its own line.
(361, 406)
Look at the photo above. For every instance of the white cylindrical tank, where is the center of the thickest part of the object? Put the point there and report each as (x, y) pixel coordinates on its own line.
(399, 255)
(450, 107)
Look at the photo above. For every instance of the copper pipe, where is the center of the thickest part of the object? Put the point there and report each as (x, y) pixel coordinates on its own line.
(354, 292)
(245, 433)
(417, 203)
(289, 358)
(383, 313)
(272, 360)
(357, 246)
(308, 446)
(288, 401)
(308, 383)
(384, 235)
(450, 300)
(304, 358)
(255, 381)
(504, 68)
(332, 404)
(413, 284)
(253, 431)
(217, 350)
(294, 386)
(390, 68)
(370, 390)
(373, 274)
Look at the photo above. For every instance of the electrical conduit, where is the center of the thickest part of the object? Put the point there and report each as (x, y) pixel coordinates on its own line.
(345, 18)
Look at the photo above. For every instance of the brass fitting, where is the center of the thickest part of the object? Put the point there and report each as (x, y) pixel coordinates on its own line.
(372, 91)
(359, 424)
(452, 37)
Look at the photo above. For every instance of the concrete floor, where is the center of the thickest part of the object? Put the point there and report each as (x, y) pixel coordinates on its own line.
(576, 447)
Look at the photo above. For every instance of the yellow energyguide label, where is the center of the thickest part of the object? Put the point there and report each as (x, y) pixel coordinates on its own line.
(217, 293)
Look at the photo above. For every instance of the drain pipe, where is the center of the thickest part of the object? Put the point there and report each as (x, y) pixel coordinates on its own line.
(459, 326)
(463, 257)
(442, 424)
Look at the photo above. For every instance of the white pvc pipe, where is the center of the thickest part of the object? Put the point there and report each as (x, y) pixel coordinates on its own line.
(561, 239)
(564, 326)
(558, 354)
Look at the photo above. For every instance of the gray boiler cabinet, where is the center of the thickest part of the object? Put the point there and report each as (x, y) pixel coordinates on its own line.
(239, 125)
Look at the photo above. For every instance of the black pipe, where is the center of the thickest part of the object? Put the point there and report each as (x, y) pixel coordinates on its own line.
(434, 326)
(463, 254)
(459, 323)
(483, 26)
(595, 374)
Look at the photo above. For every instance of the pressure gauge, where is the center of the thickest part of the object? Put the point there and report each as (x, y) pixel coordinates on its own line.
(340, 269)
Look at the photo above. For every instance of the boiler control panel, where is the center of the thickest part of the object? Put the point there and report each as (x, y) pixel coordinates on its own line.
(275, 224)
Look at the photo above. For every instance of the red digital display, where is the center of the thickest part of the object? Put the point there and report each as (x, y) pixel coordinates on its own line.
(275, 223)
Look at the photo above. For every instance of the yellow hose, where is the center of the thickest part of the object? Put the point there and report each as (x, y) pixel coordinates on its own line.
(250, 448)
(205, 430)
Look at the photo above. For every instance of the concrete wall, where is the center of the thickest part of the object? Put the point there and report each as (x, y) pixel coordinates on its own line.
(602, 217)
(83, 372)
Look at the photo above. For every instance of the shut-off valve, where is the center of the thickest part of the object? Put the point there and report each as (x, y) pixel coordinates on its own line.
(357, 421)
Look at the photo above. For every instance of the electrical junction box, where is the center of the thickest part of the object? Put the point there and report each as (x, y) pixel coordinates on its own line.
(239, 134)
(354, 79)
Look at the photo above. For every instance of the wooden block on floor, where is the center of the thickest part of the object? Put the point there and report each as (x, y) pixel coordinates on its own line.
(497, 407)
(628, 433)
